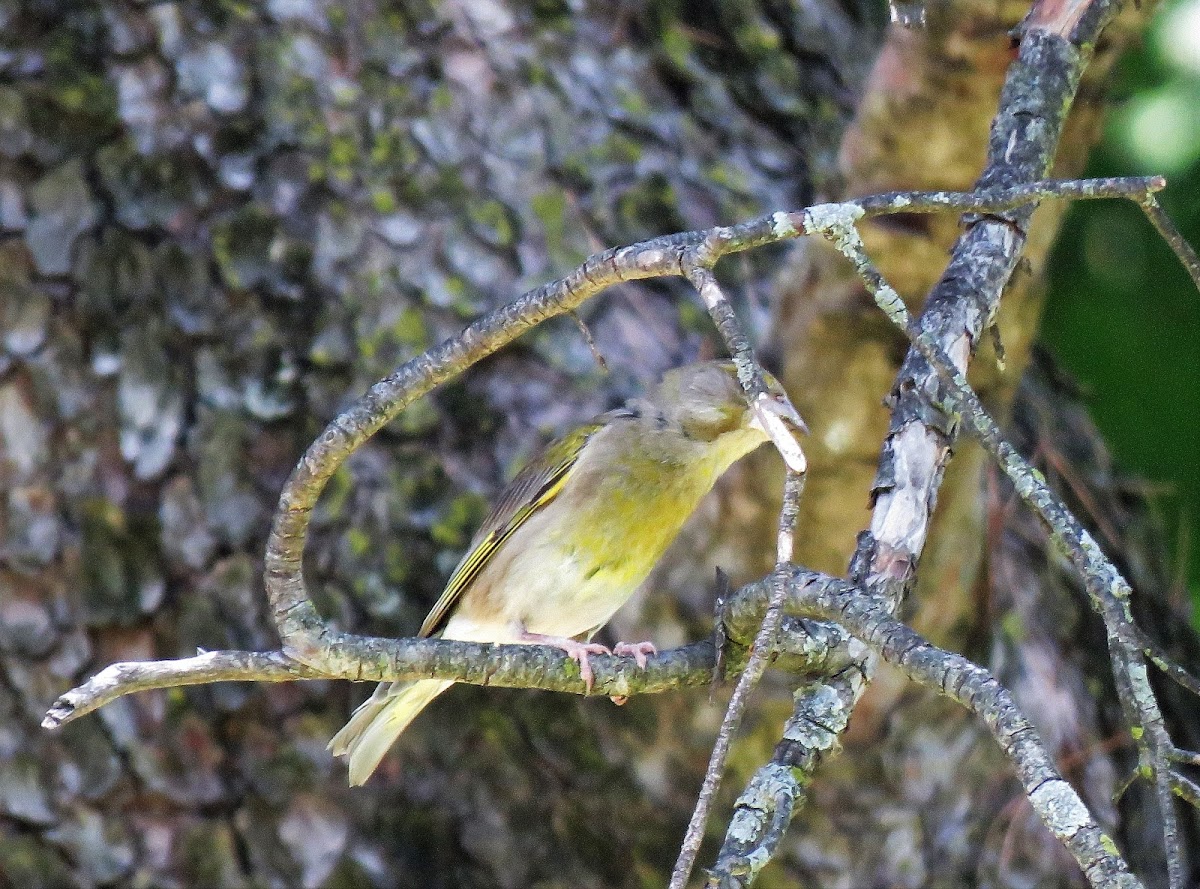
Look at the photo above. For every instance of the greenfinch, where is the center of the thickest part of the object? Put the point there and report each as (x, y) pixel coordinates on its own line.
(575, 534)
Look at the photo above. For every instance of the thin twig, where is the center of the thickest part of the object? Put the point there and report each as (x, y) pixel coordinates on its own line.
(698, 267)
(767, 407)
(1164, 225)
(807, 646)
(1159, 657)
(305, 635)
(120, 679)
(1002, 198)
(1109, 590)
(390, 660)
(1186, 789)
(1055, 801)
(760, 654)
(586, 333)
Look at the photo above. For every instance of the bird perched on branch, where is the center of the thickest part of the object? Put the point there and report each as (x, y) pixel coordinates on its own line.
(576, 532)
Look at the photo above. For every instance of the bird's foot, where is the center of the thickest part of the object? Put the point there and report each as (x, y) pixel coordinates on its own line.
(575, 650)
(639, 650)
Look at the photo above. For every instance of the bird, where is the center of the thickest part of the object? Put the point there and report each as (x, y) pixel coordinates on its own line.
(576, 532)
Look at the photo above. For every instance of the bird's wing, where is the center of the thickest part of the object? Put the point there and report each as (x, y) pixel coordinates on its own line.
(535, 486)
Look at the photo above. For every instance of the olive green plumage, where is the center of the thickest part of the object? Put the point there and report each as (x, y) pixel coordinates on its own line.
(574, 534)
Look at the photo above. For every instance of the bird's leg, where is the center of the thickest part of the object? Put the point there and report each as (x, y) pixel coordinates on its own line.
(575, 650)
(639, 650)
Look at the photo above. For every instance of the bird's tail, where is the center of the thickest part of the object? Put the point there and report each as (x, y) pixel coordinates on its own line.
(379, 720)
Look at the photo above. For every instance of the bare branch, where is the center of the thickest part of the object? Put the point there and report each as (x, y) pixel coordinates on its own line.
(314, 650)
(378, 660)
(1039, 89)
(807, 647)
(305, 636)
(999, 199)
(1054, 800)
(1174, 238)
(759, 656)
(126, 678)
(1109, 590)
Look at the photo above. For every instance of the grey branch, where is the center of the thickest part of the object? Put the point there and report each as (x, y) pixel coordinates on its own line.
(312, 649)
(1110, 592)
(1039, 89)
(808, 648)
(1054, 800)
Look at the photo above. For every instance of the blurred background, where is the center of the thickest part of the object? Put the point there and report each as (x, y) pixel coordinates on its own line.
(1122, 315)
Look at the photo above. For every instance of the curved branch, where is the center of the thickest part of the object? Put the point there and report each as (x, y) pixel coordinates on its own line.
(304, 635)
(311, 649)
(127, 677)
(379, 660)
(806, 647)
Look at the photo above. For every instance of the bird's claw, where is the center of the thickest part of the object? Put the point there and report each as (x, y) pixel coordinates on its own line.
(578, 652)
(639, 651)
(574, 649)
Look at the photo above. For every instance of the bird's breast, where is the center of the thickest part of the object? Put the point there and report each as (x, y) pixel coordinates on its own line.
(573, 563)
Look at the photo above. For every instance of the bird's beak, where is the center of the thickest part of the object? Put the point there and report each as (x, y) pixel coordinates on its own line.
(782, 408)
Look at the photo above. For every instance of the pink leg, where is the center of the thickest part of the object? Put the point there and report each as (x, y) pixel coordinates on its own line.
(639, 650)
(577, 651)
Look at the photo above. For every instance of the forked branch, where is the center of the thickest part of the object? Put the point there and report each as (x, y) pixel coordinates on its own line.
(311, 649)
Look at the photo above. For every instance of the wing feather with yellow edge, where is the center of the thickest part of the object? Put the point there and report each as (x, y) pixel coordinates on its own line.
(534, 486)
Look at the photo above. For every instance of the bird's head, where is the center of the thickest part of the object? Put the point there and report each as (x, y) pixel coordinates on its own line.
(706, 401)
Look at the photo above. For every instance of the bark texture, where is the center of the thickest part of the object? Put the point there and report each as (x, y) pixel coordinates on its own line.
(220, 222)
